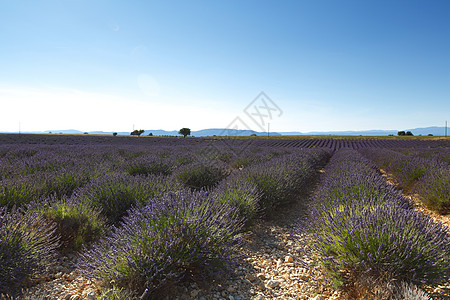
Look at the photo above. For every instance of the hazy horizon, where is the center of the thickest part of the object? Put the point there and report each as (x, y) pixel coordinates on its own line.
(323, 65)
(433, 130)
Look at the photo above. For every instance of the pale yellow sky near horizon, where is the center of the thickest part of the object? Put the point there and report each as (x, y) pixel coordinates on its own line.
(62, 108)
(58, 109)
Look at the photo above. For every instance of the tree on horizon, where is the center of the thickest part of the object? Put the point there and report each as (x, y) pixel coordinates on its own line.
(137, 132)
(184, 131)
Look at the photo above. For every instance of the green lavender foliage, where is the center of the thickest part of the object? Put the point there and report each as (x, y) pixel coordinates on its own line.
(27, 245)
(113, 194)
(373, 232)
(166, 238)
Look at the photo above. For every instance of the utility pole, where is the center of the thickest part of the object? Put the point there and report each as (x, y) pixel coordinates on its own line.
(268, 129)
(19, 127)
(445, 128)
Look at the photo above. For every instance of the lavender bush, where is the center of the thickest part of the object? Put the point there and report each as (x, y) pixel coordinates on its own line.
(389, 160)
(406, 169)
(283, 178)
(411, 171)
(240, 194)
(77, 222)
(155, 165)
(363, 228)
(182, 158)
(360, 186)
(350, 176)
(53, 159)
(434, 189)
(242, 161)
(255, 155)
(161, 241)
(367, 237)
(27, 246)
(114, 194)
(200, 175)
(25, 189)
(438, 154)
(428, 177)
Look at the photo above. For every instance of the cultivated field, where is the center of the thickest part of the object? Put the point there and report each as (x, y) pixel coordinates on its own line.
(86, 217)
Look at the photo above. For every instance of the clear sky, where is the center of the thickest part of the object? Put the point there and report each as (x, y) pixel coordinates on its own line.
(327, 64)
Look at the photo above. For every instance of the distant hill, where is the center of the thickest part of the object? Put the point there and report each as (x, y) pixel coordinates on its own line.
(434, 130)
(349, 132)
(66, 131)
(210, 132)
(233, 132)
(161, 132)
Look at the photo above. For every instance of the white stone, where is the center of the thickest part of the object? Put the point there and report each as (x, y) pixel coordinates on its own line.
(278, 263)
(290, 264)
(69, 277)
(194, 293)
(67, 296)
(250, 277)
(272, 283)
(91, 295)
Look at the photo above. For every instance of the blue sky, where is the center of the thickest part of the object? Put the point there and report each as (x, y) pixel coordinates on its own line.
(327, 64)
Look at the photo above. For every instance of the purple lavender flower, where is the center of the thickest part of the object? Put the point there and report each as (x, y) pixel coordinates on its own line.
(360, 226)
(27, 246)
(164, 239)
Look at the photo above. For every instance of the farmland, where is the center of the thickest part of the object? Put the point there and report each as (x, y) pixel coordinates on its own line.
(129, 217)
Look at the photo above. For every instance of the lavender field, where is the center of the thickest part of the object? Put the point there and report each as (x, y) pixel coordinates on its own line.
(138, 215)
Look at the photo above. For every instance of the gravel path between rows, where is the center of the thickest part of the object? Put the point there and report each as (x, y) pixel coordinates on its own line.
(61, 281)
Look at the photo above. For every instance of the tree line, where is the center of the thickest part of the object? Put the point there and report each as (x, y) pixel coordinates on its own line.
(183, 131)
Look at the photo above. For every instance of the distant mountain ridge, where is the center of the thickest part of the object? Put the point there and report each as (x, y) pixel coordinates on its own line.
(434, 130)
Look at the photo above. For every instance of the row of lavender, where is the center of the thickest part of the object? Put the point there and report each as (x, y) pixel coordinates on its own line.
(148, 215)
(356, 143)
(429, 177)
(441, 154)
(351, 142)
(30, 172)
(366, 233)
(169, 235)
